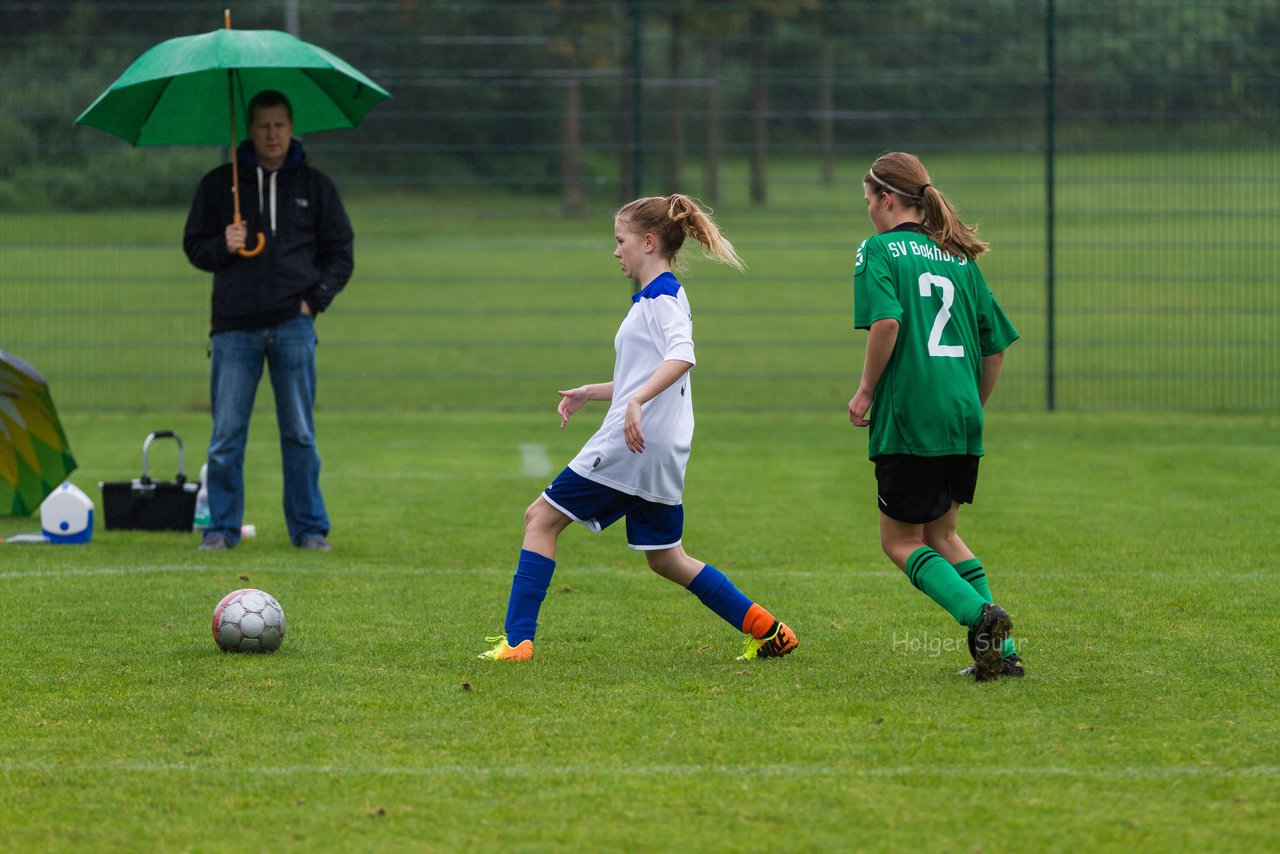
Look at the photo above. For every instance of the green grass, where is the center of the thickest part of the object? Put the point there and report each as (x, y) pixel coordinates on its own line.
(1136, 554)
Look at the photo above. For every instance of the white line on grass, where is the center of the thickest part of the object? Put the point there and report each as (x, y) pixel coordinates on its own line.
(852, 573)
(106, 570)
(143, 570)
(1125, 772)
(536, 461)
(19, 575)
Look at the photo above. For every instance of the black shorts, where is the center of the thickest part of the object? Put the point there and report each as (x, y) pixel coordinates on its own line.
(917, 490)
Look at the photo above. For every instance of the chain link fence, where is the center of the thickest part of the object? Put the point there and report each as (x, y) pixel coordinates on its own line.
(1121, 159)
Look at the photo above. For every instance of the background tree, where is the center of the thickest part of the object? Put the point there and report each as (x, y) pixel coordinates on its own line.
(539, 96)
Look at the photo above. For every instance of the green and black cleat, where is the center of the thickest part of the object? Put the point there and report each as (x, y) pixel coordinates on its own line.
(1010, 666)
(988, 636)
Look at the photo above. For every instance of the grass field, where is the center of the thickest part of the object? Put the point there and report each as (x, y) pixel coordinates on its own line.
(1136, 554)
(1135, 551)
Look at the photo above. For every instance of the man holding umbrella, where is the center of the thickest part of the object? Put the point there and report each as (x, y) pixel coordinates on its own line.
(265, 301)
(190, 90)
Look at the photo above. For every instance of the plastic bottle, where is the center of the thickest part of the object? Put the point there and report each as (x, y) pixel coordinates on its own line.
(202, 500)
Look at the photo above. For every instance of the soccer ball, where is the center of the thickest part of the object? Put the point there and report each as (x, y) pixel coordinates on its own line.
(248, 620)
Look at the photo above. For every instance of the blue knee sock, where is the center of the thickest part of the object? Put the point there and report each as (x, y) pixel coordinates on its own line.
(717, 592)
(528, 589)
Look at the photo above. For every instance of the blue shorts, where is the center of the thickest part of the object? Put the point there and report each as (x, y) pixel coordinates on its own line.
(650, 526)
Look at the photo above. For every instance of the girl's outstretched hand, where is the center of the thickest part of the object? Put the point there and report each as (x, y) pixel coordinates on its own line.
(570, 402)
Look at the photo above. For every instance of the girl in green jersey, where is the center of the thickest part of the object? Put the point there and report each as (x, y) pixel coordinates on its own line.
(936, 344)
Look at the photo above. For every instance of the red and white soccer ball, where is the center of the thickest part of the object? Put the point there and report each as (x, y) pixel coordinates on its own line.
(248, 620)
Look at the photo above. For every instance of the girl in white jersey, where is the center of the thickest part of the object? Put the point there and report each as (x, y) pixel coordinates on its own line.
(634, 465)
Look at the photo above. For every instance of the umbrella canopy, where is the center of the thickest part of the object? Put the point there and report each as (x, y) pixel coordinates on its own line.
(34, 454)
(177, 92)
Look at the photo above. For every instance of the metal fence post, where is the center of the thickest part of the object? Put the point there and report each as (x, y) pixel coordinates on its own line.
(637, 99)
(1050, 117)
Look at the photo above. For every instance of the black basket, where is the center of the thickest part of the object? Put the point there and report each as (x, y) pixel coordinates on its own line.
(144, 504)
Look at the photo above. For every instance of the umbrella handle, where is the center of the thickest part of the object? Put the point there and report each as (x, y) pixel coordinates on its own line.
(255, 251)
(235, 171)
(262, 238)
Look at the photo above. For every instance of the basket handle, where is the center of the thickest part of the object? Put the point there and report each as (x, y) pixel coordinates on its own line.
(182, 453)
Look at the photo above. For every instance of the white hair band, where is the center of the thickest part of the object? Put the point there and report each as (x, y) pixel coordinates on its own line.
(893, 189)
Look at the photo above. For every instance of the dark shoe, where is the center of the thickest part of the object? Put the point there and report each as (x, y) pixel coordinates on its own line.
(209, 542)
(988, 641)
(1011, 666)
(315, 542)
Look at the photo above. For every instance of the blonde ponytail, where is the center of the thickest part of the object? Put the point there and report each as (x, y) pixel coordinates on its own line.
(675, 217)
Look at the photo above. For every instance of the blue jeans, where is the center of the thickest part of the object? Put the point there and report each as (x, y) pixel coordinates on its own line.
(289, 349)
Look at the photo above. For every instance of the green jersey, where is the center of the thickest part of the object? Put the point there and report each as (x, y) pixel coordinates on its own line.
(927, 402)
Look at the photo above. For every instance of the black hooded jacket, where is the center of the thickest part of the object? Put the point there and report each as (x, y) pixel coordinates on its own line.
(308, 252)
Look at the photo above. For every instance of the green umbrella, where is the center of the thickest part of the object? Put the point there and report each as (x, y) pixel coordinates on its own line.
(189, 90)
(34, 454)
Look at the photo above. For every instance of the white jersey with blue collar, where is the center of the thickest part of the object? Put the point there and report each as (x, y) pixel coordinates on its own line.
(658, 327)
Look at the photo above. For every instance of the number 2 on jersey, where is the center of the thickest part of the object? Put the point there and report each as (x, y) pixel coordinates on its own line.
(928, 281)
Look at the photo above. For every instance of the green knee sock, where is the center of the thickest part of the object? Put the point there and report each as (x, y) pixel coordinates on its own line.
(971, 571)
(937, 579)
